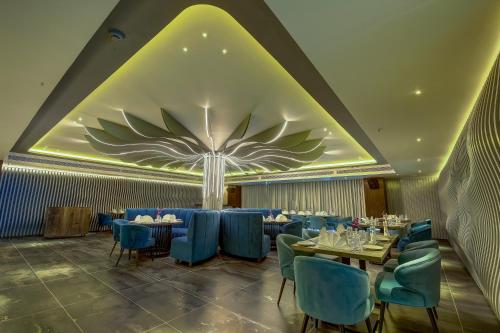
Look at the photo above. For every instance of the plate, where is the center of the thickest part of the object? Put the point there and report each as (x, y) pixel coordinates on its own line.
(306, 243)
(383, 239)
(370, 247)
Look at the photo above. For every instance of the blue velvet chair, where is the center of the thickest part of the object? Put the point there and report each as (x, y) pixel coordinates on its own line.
(415, 282)
(419, 231)
(332, 292)
(105, 220)
(391, 264)
(294, 228)
(116, 232)
(201, 241)
(263, 211)
(242, 235)
(316, 222)
(308, 234)
(346, 221)
(286, 255)
(300, 218)
(332, 221)
(135, 237)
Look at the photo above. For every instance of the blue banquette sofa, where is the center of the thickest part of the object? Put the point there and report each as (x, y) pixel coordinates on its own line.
(262, 211)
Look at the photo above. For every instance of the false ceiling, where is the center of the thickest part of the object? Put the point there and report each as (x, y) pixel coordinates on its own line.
(203, 58)
(40, 41)
(379, 55)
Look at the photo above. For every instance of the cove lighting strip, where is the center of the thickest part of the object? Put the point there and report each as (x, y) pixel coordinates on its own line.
(39, 170)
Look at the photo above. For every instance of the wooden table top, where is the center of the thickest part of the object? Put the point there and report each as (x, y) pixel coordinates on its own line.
(373, 256)
(157, 223)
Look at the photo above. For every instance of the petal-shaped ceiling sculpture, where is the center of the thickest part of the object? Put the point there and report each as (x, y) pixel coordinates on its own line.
(145, 144)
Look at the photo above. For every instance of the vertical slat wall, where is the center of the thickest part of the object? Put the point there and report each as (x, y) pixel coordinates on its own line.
(469, 188)
(25, 194)
(345, 197)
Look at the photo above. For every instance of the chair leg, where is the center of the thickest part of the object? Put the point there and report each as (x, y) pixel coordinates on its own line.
(152, 256)
(316, 323)
(112, 249)
(381, 319)
(129, 253)
(368, 324)
(435, 312)
(342, 328)
(433, 320)
(281, 290)
(119, 257)
(304, 323)
(294, 287)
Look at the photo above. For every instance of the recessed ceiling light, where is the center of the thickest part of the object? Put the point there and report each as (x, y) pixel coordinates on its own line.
(419, 171)
(204, 35)
(184, 49)
(224, 51)
(329, 133)
(80, 119)
(324, 129)
(418, 92)
(419, 160)
(419, 139)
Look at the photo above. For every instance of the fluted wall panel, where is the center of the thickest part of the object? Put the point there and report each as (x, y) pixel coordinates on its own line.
(25, 194)
(344, 197)
(469, 188)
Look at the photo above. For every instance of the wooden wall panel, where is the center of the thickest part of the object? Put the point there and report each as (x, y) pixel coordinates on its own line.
(375, 198)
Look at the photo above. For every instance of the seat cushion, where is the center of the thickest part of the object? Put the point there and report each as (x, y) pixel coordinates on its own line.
(179, 232)
(389, 290)
(390, 265)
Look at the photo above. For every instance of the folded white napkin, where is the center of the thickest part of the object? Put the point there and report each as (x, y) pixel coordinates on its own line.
(284, 212)
(308, 212)
(168, 218)
(324, 239)
(147, 219)
(330, 239)
(301, 213)
(292, 212)
(138, 218)
(340, 228)
(317, 213)
(281, 218)
(114, 211)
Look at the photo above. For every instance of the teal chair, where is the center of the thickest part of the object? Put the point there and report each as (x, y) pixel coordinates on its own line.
(332, 221)
(391, 264)
(415, 282)
(286, 255)
(308, 234)
(300, 218)
(135, 237)
(316, 222)
(294, 228)
(116, 232)
(332, 292)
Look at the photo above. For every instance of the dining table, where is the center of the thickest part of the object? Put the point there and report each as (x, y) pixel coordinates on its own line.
(346, 253)
(401, 227)
(162, 233)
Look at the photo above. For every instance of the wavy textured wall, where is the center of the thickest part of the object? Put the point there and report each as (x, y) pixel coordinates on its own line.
(24, 196)
(344, 197)
(469, 189)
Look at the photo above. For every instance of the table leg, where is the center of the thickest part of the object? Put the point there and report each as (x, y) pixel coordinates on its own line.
(346, 260)
(362, 265)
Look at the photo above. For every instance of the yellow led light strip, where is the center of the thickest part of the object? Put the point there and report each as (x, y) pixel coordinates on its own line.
(18, 167)
(107, 161)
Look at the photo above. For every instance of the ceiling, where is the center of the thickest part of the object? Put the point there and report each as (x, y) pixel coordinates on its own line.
(38, 47)
(376, 54)
(373, 54)
(204, 57)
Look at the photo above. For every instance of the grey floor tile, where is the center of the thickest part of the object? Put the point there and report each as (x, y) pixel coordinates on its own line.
(163, 300)
(60, 270)
(22, 301)
(78, 288)
(16, 274)
(122, 278)
(111, 313)
(52, 321)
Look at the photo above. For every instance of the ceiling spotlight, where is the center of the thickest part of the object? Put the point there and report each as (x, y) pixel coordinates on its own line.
(224, 51)
(329, 133)
(204, 35)
(184, 49)
(80, 119)
(419, 160)
(419, 139)
(324, 129)
(418, 92)
(419, 171)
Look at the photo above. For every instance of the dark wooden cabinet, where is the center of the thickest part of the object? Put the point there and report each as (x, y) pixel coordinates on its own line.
(67, 222)
(234, 196)
(375, 198)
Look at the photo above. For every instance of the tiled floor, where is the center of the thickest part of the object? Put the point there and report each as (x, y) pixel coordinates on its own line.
(72, 285)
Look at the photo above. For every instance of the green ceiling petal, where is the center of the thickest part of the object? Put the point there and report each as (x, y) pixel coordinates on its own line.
(238, 132)
(119, 131)
(178, 129)
(292, 139)
(145, 128)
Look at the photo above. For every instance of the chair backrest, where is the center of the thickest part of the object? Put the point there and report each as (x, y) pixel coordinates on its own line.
(426, 244)
(203, 231)
(331, 291)
(263, 211)
(116, 228)
(104, 219)
(420, 223)
(299, 218)
(294, 228)
(286, 254)
(134, 236)
(420, 272)
(185, 214)
(421, 233)
(241, 234)
(316, 222)
(308, 234)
